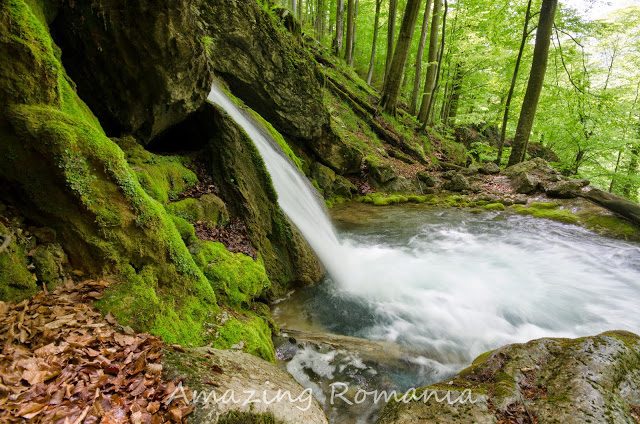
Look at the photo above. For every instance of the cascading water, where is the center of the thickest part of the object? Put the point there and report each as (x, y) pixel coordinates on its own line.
(456, 288)
(296, 196)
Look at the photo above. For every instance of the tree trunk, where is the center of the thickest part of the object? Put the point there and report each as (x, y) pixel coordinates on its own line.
(293, 6)
(438, 67)
(536, 79)
(300, 9)
(319, 23)
(351, 11)
(337, 40)
(391, 91)
(430, 79)
(514, 80)
(419, 56)
(372, 60)
(454, 100)
(391, 34)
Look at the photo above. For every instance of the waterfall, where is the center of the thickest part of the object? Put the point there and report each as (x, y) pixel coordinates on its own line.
(296, 196)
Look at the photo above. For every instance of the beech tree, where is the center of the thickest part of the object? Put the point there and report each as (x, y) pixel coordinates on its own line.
(391, 33)
(419, 57)
(372, 60)
(432, 66)
(536, 79)
(351, 26)
(395, 73)
(337, 40)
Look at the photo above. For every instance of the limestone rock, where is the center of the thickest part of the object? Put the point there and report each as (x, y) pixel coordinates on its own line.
(116, 51)
(525, 183)
(592, 379)
(490, 168)
(265, 66)
(457, 183)
(427, 179)
(206, 370)
(565, 189)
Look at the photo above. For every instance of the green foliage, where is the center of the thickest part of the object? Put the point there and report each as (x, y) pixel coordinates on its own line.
(249, 331)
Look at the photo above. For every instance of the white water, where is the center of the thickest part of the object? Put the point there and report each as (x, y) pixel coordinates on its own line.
(454, 289)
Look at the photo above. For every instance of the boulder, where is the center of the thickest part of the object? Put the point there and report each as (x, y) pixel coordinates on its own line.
(457, 183)
(343, 187)
(208, 371)
(533, 166)
(380, 173)
(565, 189)
(525, 183)
(591, 379)
(427, 179)
(116, 51)
(265, 66)
(489, 168)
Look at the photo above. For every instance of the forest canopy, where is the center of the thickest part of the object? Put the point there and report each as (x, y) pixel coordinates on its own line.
(469, 64)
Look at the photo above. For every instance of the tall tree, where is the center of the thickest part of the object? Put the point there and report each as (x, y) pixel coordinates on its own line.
(419, 57)
(351, 20)
(451, 108)
(432, 101)
(536, 80)
(391, 91)
(337, 40)
(432, 66)
(372, 60)
(391, 34)
(320, 20)
(514, 80)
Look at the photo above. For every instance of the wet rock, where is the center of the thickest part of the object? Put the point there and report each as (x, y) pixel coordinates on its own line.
(427, 179)
(116, 51)
(490, 168)
(343, 187)
(566, 189)
(49, 260)
(208, 370)
(592, 379)
(457, 183)
(380, 173)
(265, 66)
(525, 183)
(324, 176)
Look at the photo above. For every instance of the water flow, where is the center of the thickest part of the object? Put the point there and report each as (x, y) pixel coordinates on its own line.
(296, 196)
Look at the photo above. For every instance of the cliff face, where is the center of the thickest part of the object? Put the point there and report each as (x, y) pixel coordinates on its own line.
(122, 209)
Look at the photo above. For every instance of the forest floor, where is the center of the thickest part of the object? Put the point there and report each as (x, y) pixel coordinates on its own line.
(63, 362)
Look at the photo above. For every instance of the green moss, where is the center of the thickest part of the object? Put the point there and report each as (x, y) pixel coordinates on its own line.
(494, 207)
(560, 215)
(241, 417)
(16, 282)
(544, 205)
(381, 199)
(208, 208)
(185, 228)
(612, 226)
(235, 276)
(250, 331)
(89, 193)
(48, 260)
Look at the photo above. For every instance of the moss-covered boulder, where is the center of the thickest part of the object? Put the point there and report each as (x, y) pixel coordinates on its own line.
(16, 282)
(117, 51)
(591, 379)
(265, 66)
(64, 173)
(239, 171)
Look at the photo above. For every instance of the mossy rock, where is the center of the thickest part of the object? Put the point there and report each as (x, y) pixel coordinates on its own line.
(209, 209)
(249, 333)
(49, 260)
(69, 176)
(546, 211)
(494, 207)
(16, 282)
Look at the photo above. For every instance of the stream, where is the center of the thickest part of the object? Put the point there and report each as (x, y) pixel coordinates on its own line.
(414, 294)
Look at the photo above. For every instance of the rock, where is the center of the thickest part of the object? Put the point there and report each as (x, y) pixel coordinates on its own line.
(592, 379)
(44, 234)
(265, 66)
(380, 173)
(525, 183)
(458, 183)
(538, 150)
(208, 208)
(343, 187)
(427, 179)
(399, 184)
(209, 370)
(239, 172)
(490, 168)
(536, 166)
(565, 189)
(324, 176)
(49, 260)
(116, 51)
(617, 204)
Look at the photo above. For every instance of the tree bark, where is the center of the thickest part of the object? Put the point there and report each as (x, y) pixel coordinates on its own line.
(419, 56)
(372, 60)
(430, 78)
(438, 67)
(451, 111)
(351, 11)
(320, 18)
(536, 80)
(514, 80)
(337, 40)
(391, 91)
(391, 34)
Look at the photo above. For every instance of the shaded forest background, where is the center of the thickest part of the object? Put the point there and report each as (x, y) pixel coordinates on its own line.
(468, 65)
